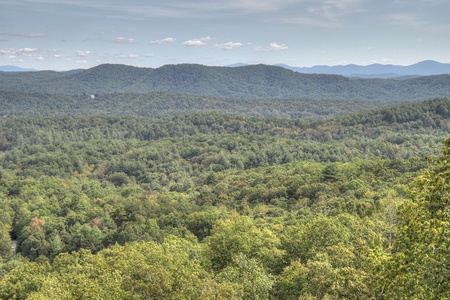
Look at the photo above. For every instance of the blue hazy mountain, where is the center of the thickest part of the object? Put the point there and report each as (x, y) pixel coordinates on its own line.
(423, 68)
(9, 68)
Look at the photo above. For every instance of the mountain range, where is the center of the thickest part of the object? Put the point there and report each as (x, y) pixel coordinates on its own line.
(423, 68)
(253, 81)
(9, 68)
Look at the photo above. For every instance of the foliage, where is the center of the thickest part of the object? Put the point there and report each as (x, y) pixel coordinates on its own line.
(226, 206)
(420, 266)
(255, 81)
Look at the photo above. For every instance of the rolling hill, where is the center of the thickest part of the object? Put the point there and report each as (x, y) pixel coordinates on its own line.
(255, 81)
(134, 183)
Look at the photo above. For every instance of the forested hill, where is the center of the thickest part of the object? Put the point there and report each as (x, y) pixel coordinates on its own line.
(256, 81)
(160, 104)
(170, 195)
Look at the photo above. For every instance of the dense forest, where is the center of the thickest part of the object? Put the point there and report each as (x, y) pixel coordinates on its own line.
(254, 81)
(169, 195)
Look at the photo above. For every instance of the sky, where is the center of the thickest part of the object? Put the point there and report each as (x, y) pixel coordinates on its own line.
(73, 34)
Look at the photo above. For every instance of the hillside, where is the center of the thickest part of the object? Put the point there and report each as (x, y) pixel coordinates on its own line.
(130, 183)
(256, 81)
(97, 204)
(159, 104)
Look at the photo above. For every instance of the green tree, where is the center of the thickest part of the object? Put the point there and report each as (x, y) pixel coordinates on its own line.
(292, 281)
(5, 241)
(239, 235)
(252, 280)
(86, 237)
(420, 267)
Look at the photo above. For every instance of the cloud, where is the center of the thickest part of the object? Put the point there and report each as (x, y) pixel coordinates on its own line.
(382, 61)
(324, 13)
(55, 53)
(13, 53)
(197, 42)
(333, 10)
(28, 50)
(121, 55)
(406, 20)
(26, 35)
(229, 45)
(167, 40)
(273, 47)
(8, 53)
(122, 40)
(259, 5)
(277, 47)
(34, 35)
(204, 9)
(84, 53)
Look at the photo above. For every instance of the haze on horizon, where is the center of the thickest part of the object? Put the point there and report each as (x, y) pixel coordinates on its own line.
(70, 34)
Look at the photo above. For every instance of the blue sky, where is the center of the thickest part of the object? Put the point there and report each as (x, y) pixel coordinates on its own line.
(69, 34)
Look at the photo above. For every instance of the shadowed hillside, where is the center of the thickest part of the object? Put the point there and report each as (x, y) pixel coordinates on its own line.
(256, 81)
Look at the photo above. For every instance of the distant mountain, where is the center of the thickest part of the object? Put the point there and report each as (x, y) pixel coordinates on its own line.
(424, 68)
(253, 81)
(9, 68)
(237, 65)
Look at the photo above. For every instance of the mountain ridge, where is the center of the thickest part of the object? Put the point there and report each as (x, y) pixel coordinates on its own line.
(423, 68)
(252, 81)
(10, 68)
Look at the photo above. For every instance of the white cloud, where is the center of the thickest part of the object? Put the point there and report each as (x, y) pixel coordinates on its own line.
(167, 40)
(194, 43)
(334, 10)
(229, 45)
(8, 53)
(407, 20)
(55, 53)
(122, 55)
(12, 52)
(213, 9)
(206, 9)
(325, 13)
(197, 42)
(122, 40)
(28, 50)
(277, 47)
(382, 61)
(273, 47)
(84, 53)
(34, 35)
(309, 21)
(25, 35)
